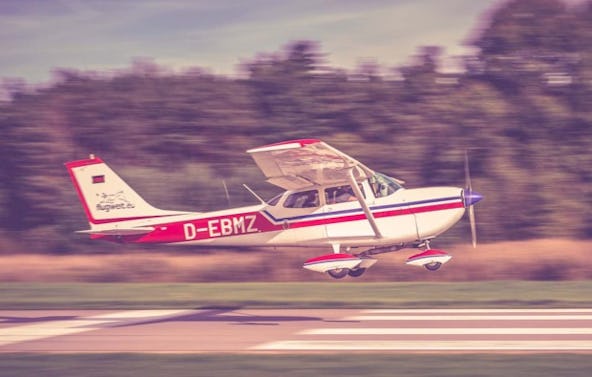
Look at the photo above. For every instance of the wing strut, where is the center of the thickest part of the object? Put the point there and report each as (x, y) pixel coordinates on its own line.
(362, 201)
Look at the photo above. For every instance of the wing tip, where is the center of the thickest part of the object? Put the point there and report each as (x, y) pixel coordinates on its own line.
(92, 160)
(288, 144)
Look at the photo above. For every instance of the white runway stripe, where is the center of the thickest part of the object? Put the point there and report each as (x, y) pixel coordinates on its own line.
(557, 317)
(483, 310)
(139, 314)
(47, 329)
(432, 345)
(449, 331)
(43, 330)
(492, 324)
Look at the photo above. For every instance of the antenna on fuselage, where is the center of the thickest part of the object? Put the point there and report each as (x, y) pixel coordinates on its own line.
(254, 194)
(226, 192)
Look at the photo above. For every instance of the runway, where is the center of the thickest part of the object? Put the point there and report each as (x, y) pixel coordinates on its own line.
(297, 330)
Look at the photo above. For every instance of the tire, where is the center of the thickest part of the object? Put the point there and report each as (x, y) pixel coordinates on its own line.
(433, 266)
(338, 273)
(357, 272)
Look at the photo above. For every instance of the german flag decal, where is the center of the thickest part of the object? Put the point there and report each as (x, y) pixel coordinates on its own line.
(98, 179)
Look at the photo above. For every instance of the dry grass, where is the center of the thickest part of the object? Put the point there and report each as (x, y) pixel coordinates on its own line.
(547, 259)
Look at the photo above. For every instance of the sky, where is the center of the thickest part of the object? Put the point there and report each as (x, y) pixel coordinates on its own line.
(38, 36)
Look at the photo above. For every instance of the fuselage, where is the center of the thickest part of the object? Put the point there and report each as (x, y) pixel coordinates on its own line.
(330, 200)
(315, 216)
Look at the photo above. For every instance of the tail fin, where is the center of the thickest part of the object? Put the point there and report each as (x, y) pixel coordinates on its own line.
(105, 197)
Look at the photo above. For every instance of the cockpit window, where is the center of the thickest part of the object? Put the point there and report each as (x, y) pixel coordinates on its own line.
(303, 199)
(340, 194)
(383, 185)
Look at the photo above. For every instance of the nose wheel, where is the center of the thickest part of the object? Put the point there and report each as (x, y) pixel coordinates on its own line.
(430, 259)
(432, 266)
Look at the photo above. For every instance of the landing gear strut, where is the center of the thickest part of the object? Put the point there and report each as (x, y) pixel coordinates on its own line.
(432, 266)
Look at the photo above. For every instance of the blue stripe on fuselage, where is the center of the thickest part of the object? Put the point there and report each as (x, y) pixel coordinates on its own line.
(357, 210)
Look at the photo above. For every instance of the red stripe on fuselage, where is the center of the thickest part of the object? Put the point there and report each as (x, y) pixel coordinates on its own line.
(429, 208)
(255, 222)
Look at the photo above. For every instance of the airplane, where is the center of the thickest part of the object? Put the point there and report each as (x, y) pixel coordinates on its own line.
(330, 200)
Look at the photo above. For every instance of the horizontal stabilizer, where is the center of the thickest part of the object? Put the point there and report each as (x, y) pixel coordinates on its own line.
(118, 231)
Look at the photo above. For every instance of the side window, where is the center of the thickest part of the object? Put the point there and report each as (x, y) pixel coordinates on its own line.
(382, 185)
(341, 194)
(304, 199)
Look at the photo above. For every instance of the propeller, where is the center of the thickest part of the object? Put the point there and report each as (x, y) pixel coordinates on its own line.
(470, 198)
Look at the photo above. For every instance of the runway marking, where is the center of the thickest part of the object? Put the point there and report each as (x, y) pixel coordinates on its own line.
(431, 345)
(366, 334)
(469, 317)
(138, 314)
(47, 329)
(448, 331)
(442, 311)
(442, 317)
(463, 314)
(38, 331)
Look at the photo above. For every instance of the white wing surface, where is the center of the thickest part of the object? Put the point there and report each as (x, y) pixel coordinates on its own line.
(297, 164)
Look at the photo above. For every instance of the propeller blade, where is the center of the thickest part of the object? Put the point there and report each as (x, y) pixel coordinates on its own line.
(470, 197)
(473, 226)
(467, 172)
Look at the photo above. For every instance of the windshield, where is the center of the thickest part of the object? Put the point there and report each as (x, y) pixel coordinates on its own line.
(275, 200)
(383, 185)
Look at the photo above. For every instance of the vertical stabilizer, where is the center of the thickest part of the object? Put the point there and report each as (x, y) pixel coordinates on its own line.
(105, 197)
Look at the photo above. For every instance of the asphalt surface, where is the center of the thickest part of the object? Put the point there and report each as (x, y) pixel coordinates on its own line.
(297, 330)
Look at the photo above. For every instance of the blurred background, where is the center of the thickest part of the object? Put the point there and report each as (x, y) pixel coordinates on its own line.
(518, 97)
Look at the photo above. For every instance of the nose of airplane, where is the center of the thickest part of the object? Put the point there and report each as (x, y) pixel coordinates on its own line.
(471, 197)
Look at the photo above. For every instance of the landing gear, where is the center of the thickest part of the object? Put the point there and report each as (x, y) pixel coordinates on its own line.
(357, 272)
(431, 259)
(432, 266)
(339, 273)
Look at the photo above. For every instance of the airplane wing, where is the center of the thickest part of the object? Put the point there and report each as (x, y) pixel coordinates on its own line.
(296, 164)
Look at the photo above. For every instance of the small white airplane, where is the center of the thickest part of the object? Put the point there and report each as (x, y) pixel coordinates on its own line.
(331, 200)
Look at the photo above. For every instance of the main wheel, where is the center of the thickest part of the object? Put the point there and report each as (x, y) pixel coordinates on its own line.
(338, 273)
(433, 266)
(357, 272)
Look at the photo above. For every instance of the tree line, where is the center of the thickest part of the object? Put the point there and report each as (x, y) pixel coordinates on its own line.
(521, 107)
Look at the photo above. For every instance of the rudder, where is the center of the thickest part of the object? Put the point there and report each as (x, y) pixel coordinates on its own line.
(106, 197)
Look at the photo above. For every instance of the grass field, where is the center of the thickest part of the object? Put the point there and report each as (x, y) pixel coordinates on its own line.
(408, 365)
(536, 260)
(295, 295)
